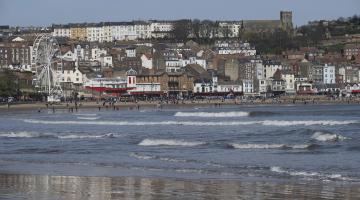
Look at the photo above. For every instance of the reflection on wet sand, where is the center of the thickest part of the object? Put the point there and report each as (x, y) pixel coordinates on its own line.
(100, 188)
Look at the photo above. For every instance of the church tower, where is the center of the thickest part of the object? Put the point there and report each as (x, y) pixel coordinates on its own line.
(286, 20)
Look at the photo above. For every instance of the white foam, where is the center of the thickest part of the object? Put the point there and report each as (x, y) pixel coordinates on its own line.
(211, 114)
(306, 123)
(88, 118)
(86, 114)
(269, 146)
(165, 142)
(258, 146)
(196, 123)
(142, 157)
(109, 135)
(147, 157)
(310, 174)
(327, 137)
(301, 146)
(25, 134)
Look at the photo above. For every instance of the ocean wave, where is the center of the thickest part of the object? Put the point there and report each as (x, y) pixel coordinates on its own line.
(310, 174)
(307, 123)
(211, 114)
(26, 134)
(108, 135)
(88, 118)
(141, 157)
(261, 113)
(271, 146)
(148, 157)
(327, 137)
(257, 146)
(86, 114)
(197, 123)
(166, 142)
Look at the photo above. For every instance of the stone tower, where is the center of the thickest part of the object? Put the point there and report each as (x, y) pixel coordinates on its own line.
(286, 20)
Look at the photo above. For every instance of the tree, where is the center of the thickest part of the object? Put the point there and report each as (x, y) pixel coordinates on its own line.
(181, 30)
(195, 28)
(8, 87)
(225, 31)
(206, 29)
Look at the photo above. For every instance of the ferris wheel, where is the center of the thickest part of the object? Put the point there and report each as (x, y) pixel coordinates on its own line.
(48, 67)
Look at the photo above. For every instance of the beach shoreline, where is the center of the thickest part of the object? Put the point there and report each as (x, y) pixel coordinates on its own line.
(73, 107)
(76, 187)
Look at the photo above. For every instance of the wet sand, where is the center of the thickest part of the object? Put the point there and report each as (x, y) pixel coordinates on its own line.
(44, 187)
(71, 107)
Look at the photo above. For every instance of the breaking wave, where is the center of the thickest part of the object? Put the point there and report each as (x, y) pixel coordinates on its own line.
(271, 146)
(86, 114)
(88, 118)
(197, 123)
(327, 137)
(147, 157)
(261, 113)
(25, 134)
(211, 114)
(165, 142)
(310, 174)
(307, 123)
(109, 135)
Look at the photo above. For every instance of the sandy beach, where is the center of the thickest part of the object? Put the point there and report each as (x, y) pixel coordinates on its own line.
(73, 107)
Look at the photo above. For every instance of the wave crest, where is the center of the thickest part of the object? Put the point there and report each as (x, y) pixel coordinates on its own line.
(26, 134)
(310, 174)
(108, 135)
(327, 137)
(166, 142)
(212, 114)
(196, 123)
(88, 118)
(271, 146)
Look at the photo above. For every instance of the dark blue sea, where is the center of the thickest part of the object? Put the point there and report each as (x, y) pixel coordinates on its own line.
(227, 152)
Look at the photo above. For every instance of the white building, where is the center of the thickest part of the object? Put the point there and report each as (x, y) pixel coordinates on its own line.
(130, 52)
(106, 61)
(194, 60)
(234, 47)
(248, 86)
(131, 78)
(161, 29)
(97, 53)
(147, 61)
(259, 69)
(123, 31)
(229, 87)
(289, 83)
(229, 29)
(95, 33)
(146, 88)
(329, 74)
(62, 31)
(73, 75)
(270, 67)
(263, 85)
(69, 56)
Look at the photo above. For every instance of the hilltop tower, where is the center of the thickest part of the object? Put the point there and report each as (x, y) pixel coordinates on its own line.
(286, 20)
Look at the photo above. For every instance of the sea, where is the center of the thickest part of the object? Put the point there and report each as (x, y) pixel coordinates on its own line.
(182, 152)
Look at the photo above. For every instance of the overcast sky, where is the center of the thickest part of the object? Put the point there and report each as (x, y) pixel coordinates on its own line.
(47, 12)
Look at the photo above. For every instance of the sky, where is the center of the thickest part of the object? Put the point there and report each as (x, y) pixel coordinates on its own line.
(47, 12)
